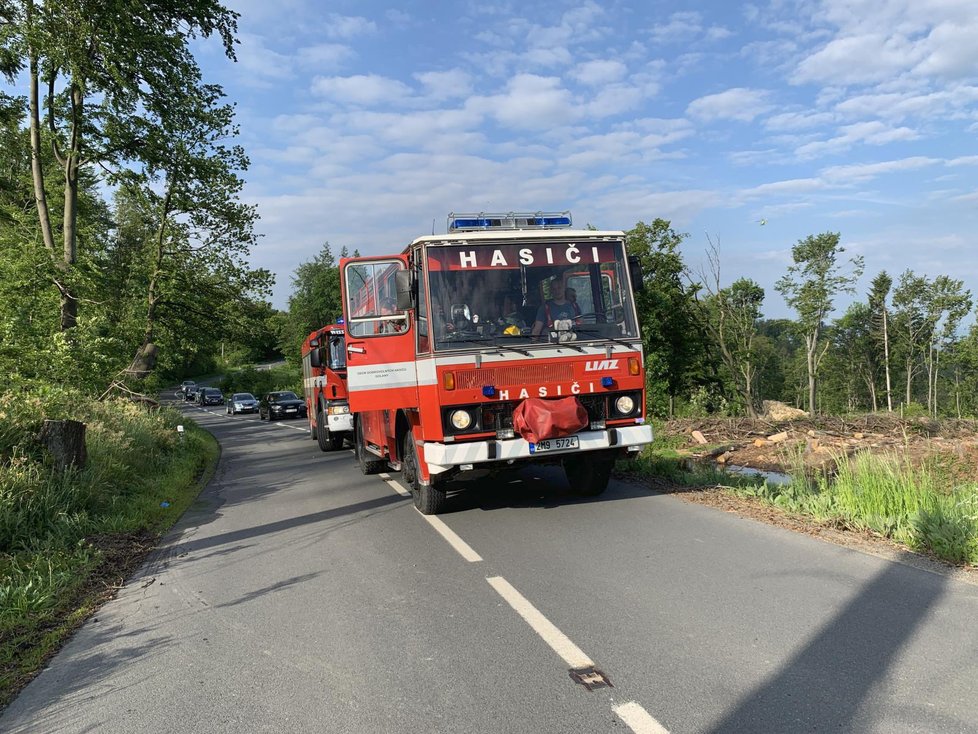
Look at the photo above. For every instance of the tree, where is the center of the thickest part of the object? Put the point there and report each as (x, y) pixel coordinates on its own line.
(197, 233)
(314, 303)
(103, 64)
(730, 316)
(809, 288)
(879, 313)
(852, 342)
(947, 303)
(675, 345)
(910, 308)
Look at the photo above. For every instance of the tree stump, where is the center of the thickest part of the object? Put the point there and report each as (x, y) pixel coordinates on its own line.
(65, 440)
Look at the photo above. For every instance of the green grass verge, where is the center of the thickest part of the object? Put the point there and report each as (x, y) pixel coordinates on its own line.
(922, 507)
(68, 540)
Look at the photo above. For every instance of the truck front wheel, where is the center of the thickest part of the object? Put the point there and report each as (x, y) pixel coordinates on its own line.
(328, 441)
(368, 464)
(588, 476)
(429, 499)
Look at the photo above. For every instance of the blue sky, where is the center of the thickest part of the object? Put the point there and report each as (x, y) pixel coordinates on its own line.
(755, 124)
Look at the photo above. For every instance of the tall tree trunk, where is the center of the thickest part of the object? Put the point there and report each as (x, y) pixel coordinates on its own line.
(909, 377)
(72, 162)
(145, 360)
(811, 345)
(37, 166)
(886, 361)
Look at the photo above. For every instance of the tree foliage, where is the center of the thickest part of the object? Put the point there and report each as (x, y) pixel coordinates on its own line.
(677, 357)
(809, 287)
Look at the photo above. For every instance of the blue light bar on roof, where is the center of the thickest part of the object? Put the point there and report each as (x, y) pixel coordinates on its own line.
(482, 221)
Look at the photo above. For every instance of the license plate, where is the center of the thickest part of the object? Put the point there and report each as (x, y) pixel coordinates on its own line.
(556, 444)
(291, 410)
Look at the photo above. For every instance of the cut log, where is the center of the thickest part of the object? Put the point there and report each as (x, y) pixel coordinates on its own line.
(65, 441)
(698, 437)
(778, 437)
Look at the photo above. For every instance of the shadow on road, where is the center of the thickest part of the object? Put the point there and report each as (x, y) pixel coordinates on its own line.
(824, 686)
(193, 545)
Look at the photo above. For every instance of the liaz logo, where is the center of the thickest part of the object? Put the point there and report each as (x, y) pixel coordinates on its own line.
(601, 364)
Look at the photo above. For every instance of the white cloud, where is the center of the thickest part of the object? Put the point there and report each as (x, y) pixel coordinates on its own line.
(863, 59)
(798, 120)
(258, 65)
(361, 89)
(733, 104)
(598, 72)
(347, 26)
(867, 171)
(529, 102)
(324, 55)
(870, 133)
(445, 84)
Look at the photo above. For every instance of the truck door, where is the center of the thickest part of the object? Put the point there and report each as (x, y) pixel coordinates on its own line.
(380, 355)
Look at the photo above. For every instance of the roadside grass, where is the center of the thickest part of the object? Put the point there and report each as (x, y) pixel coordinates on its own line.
(925, 507)
(67, 541)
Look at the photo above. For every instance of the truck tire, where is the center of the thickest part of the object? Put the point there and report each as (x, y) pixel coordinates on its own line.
(328, 441)
(367, 462)
(587, 476)
(428, 498)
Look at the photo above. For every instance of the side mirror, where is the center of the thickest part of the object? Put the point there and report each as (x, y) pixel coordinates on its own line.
(316, 357)
(404, 283)
(635, 274)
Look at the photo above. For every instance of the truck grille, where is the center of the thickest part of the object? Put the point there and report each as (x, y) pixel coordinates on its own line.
(513, 376)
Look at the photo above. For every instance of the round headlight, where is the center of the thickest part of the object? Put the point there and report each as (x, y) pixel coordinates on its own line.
(624, 405)
(461, 419)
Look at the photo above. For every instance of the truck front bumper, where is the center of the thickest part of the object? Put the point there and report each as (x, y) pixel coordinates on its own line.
(442, 457)
(340, 423)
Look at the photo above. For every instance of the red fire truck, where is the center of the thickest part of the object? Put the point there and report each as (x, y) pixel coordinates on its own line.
(470, 350)
(324, 384)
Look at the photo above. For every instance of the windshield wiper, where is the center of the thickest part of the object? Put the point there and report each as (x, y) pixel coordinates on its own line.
(494, 340)
(604, 336)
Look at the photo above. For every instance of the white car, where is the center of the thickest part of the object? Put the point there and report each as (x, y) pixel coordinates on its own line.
(242, 402)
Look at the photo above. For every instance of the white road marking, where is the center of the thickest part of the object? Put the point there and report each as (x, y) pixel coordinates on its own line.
(558, 641)
(461, 547)
(394, 484)
(638, 719)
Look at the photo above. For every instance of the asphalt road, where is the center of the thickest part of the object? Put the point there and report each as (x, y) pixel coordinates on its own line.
(299, 596)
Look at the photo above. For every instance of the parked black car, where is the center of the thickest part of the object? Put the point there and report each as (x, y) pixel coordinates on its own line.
(242, 402)
(284, 404)
(210, 396)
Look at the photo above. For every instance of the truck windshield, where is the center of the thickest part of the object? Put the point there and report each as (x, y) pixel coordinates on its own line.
(529, 292)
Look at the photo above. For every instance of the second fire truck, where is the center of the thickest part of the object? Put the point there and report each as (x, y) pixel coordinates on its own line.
(512, 338)
(324, 385)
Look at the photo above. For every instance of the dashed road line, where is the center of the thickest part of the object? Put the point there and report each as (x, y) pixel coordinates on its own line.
(453, 539)
(558, 641)
(638, 719)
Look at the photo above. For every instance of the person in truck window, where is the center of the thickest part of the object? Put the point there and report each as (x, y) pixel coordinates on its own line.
(556, 307)
(388, 307)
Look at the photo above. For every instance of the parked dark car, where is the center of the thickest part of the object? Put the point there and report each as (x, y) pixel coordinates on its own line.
(284, 404)
(186, 385)
(210, 396)
(242, 402)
